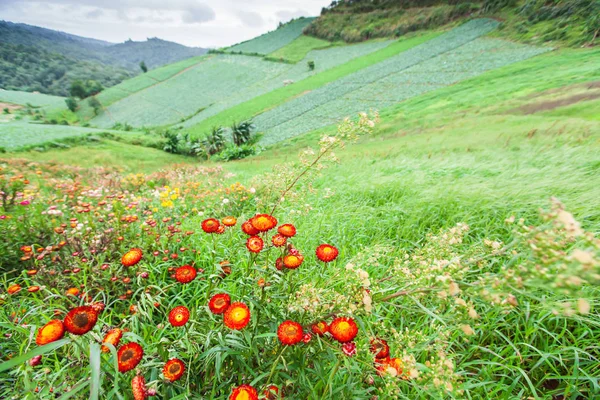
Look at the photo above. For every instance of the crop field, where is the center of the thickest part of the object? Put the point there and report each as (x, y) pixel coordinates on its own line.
(299, 48)
(35, 99)
(272, 41)
(452, 57)
(218, 83)
(14, 135)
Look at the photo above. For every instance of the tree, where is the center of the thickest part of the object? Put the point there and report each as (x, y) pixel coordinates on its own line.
(71, 103)
(78, 89)
(311, 65)
(95, 104)
(143, 66)
(214, 142)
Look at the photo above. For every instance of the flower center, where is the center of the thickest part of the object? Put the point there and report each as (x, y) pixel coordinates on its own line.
(81, 320)
(344, 326)
(174, 368)
(220, 303)
(128, 355)
(291, 330)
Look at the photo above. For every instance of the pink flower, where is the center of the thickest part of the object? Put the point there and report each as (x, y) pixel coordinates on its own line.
(349, 349)
(2, 217)
(306, 337)
(25, 203)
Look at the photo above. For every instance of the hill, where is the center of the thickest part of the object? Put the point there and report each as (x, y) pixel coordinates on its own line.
(570, 22)
(44, 60)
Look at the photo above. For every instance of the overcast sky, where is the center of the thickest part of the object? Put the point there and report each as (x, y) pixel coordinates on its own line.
(201, 23)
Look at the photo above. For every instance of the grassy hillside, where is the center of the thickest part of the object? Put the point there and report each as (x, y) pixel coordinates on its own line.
(35, 99)
(298, 49)
(564, 22)
(272, 41)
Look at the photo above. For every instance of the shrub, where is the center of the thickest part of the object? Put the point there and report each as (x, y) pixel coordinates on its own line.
(236, 152)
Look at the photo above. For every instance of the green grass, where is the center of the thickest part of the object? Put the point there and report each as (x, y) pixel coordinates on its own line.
(269, 100)
(299, 48)
(107, 153)
(586, 109)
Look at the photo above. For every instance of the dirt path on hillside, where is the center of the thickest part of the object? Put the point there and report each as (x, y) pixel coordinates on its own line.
(591, 91)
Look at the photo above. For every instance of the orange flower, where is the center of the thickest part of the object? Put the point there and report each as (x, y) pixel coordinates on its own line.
(244, 392)
(229, 221)
(33, 289)
(248, 229)
(380, 348)
(81, 320)
(397, 365)
(13, 289)
(263, 222)
(254, 244)
(51, 332)
(185, 274)
(113, 336)
(272, 393)
(343, 329)
(73, 291)
(381, 365)
(292, 261)
(287, 230)
(138, 385)
(129, 356)
(173, 369)
(278, 240)
(179, 316)
(220, 229)
(210, 225)
(219, 302)
(132, 257)
(320, 328)
(289, 332)
(237, 316)
(327, 253)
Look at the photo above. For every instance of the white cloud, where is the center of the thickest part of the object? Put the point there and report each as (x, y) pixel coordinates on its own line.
(203, 23)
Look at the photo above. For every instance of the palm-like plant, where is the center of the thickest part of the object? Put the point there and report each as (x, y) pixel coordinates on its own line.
(215, 141)
(241, 133)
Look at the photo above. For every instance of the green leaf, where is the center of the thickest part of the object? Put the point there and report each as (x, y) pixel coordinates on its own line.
(76, 389)
(95, 370)
(38, 351)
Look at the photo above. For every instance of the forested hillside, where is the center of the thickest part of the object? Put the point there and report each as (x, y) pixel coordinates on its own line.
(39, 59)
(570, 22)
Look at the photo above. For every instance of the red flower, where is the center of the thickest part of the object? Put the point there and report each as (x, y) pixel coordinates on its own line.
(81, 320)
(185, 274)
(380, 348)
(51, 332)
(221, 229)
(237, 316)
(210, 225)
(138, 386)
(279, 264)
(396, 363)
(320, 328)
(131, 258)
(272, 393)
(279, 240)
(327, 253)
(113, 337)
(244, 392)
(292, 261)
(254, 244)
(13, 289)
(263, 222)
(307, 337)
(289, 332)
(174, 369)
(129, 356)
(179, 316)
(219, 303)
(287, 230)
(349, 349)
(248, 229)
(343, 329)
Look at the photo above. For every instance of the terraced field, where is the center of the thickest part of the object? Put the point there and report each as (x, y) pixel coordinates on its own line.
(35, 99)
(15, 135)
(272, 41)
(447, 59)
(219, 82)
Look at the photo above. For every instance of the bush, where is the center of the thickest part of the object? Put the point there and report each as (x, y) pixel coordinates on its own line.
(231, 153)
(71, 103)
